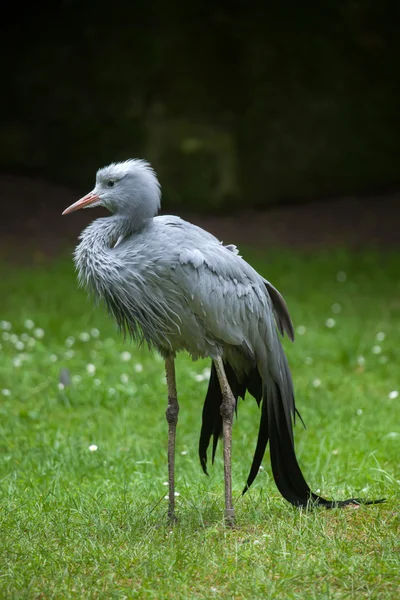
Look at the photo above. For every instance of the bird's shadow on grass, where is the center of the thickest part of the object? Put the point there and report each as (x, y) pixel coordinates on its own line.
(253, 512)
(192, 515)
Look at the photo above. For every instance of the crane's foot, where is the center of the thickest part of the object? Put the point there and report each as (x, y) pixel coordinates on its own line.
(230, 517)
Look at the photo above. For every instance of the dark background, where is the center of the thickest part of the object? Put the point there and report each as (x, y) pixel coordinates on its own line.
(238, 106)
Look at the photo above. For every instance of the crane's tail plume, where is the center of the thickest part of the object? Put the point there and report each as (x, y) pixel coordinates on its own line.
(212, 420)
(274, 426)
(277, 409)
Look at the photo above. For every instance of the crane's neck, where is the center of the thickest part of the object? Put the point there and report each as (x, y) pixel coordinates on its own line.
(94, 258)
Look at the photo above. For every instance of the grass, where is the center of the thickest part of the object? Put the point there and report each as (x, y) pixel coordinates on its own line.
(77, 523)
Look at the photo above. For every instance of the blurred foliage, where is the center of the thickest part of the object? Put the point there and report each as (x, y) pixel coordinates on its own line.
(234, 104)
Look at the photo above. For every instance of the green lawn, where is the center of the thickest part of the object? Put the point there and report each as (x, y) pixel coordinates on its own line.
(85, 523)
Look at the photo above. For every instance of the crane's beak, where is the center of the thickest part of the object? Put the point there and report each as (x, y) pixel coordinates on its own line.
(87, 200)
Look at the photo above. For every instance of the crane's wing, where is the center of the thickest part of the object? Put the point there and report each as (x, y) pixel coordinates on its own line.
(282, 316)
(234, 305)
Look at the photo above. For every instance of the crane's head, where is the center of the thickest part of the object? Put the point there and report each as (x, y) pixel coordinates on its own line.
(129, 188)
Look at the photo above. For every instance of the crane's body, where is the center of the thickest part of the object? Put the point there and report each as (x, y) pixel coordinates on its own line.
(178, 287)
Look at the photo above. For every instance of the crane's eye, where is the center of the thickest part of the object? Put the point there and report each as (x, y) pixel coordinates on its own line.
(110, 183)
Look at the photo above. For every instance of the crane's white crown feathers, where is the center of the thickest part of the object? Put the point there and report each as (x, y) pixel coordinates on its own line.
(137, 167)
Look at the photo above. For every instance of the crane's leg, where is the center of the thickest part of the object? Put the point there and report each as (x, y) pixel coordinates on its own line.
(172, 418)
(227, 412)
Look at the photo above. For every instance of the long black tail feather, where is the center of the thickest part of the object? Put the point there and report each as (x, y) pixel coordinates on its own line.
(275, 427)
(285, 468)
(212, 420)
(262, 441)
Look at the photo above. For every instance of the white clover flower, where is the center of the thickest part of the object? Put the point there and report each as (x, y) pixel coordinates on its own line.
(69, 353)
(256, 542)
(138, 368)
(29, 324)
(17, 362)
(380, 336)
(76, 378)
(84, 336)
(199, 377)
(176, 494)
(96, 382)
(24, 337)
(19, 345)
(184, 452)
(91, 369)
(335, 452)
(111, 391)
(383, 360)
(93, 448)
(330, 323)
(165, 483)
(125, 356)
(70, 341)
(5, 325)
(308, 360)
(61, 386)
(392, 435)
(316, 383)
(13, 338)
(207, 372)
(6, 392)
(94, 332)
(360, 361)
(5, 336)
(301, 329)
(376, 349)
(336, 308)
(53, 358)
(341, 276)
(393, 395)
(359, 412)
(124, 378)
(31, 342)
(38, 333)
